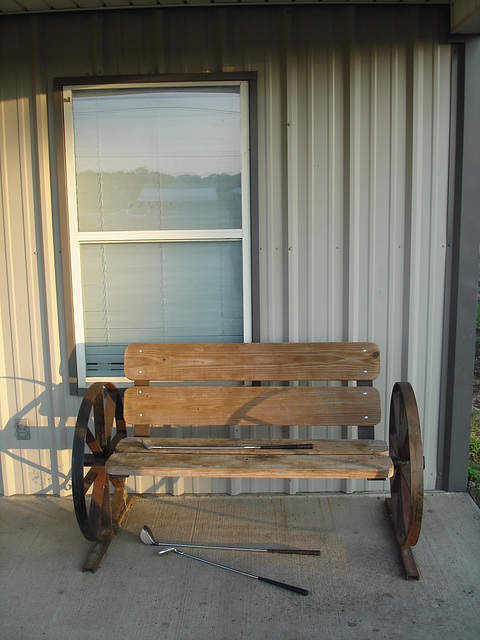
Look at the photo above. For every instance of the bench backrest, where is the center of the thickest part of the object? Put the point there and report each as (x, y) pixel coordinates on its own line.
(279, 405)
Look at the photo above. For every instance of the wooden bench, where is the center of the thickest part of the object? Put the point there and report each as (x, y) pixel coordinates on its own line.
(239, 386)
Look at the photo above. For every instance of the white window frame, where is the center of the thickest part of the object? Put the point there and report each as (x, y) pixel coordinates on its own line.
(78, 238)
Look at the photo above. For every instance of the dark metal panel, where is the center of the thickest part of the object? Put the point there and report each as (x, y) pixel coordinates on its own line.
(460, 335)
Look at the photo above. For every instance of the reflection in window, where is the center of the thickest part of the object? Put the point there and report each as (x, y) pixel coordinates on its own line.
(158, 159)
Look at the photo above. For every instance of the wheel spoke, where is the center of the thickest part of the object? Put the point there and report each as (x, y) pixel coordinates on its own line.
(405, 450)
(396, 408)
(406, 478)
(91, 476)
(393, 445)
(110, 407)
(99, 499)
(99, 419)
(96, 501)
(395, 492)
(402, 430)
(92, 443)
(394, 420)
(406, 503)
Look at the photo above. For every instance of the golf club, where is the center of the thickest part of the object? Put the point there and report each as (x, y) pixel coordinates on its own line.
(282, 585)
(147, 445)
(146, 536)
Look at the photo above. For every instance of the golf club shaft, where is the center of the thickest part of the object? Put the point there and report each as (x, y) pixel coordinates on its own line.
(282, 585)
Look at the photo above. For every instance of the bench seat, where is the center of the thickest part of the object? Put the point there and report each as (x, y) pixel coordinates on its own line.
(325, 459)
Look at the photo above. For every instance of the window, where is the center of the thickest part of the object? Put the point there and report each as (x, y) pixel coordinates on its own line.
(158, 196)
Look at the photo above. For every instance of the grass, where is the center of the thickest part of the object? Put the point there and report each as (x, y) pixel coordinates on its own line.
(474, 457)
(475, 437)
(474, 454)
(474, 465)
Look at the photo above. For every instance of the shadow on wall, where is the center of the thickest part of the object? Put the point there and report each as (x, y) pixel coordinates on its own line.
(36, 441)
(35, 451)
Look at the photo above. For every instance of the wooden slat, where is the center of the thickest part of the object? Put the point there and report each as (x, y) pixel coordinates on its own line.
(253, 361)
(249, 466)
(319, 447)
(282, 406)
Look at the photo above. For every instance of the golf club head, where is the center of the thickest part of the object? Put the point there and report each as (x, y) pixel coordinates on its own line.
(167, 550)
(146, 536)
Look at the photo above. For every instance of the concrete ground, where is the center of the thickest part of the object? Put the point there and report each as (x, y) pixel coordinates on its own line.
(356, 586)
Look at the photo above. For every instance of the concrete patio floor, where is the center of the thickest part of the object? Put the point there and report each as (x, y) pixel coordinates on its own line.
(356, 586)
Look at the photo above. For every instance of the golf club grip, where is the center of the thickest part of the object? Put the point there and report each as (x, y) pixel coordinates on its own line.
(282, 585)
(296, 552)
(286, 446)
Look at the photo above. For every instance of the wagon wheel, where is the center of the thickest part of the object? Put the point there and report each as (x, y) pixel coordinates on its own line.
(94, 515)
(406, 485)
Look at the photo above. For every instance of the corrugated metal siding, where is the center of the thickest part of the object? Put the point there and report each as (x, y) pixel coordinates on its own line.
(353, 128)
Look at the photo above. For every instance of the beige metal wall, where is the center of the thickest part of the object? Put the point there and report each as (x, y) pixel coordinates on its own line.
(353, 129)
